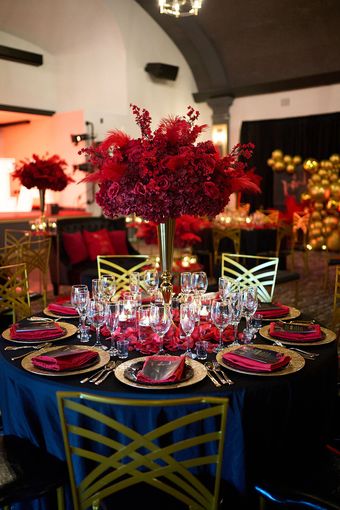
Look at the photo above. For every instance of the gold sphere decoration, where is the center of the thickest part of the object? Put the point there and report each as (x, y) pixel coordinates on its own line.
(335, 190)
(297, 160)
(279, 166)
(335, 159)
(270, 162)
(315, 216)
(325, 183)
(331, 221)
(315, 232)
(318, 206)
(305, 197)
(318, 193)
(322, 172)
(277, 154)
(333, 177)
(315, 178)
(333, 241)
(317, 225)
(290, 169)
(310, 165)
(287, 159)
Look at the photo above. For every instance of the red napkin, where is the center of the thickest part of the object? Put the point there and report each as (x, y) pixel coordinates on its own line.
(162, 369)
(53, 330)
(273, 313)
(313, 333)
(248, 357)
(64, 309)
(65, 358)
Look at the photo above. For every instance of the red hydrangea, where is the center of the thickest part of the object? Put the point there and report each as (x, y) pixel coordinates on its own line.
(43, 173)
(165, 173)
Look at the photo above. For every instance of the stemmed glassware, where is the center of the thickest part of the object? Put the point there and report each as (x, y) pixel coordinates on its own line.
(112, 313)
(134, 284)
(160, 322)
(235, 305)
(250, 303)
(97, 289)
(187, 322)
(220, 315)
(108, 287)
(81, 300)
(74, 290)
(225, 287)
(199, 282)
(96, 315)
(186, 284)
(151, 281)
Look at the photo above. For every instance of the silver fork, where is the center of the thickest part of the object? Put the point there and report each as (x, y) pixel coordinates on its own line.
(12, 348)
(109, 366)
(36, 347)
(306, 354)
(107, 373)
(220, 371)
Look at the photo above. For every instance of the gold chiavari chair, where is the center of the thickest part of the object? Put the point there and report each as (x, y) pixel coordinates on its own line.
(234, 234)
(167, 460)
(255, 271)
(15, 237)
(336, 299)
(35, 253)
(300, 237)
(121, 266)
(14, 295)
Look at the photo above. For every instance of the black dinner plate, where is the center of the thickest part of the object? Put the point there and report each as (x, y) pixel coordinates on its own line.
(131, 374)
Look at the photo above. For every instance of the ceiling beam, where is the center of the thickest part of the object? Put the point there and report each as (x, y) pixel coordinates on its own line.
(20, 56)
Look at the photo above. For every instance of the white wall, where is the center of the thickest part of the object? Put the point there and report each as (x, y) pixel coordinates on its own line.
(94, 53)
(295, 103)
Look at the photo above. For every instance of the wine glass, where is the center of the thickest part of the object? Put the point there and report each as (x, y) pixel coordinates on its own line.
(199, 282)
(151, 281)
(225, 286)
(250, 303)
(187, 321)
(108, 287)
(160, 322)
(220, 315)
(74, 290)
(81, 299)
(96, 314)
(235, 305)
(112, 314)
(186, 284)
(134, 283)
(97, 290)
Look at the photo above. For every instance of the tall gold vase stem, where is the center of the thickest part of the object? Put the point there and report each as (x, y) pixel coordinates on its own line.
(166, 232)
(42, 201)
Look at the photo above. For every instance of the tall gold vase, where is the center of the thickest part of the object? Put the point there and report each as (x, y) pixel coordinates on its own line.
(166, 233)
(42, 193)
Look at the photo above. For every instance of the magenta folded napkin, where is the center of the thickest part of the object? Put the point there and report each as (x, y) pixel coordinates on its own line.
(64, 308)
(257, 359)
(65, 358)
(162, 369)
(40, 331)
(312, 332)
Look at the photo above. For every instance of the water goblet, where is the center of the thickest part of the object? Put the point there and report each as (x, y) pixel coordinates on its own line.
(96, 314)
(74, 290)
(187, 322)
(108, 287)
(112, 313)
(81, 300)
(151, 281)
(186, 284)
(128, 312)
(250, 303)
(97, 289)
(220, 316)
(160, 322)
(225, 287)
(143, 323)
(235, 306)
(134, 283)
(199, 282)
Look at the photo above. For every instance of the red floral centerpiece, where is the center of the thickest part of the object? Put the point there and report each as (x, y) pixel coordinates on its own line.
(43, 173)
(165, 174)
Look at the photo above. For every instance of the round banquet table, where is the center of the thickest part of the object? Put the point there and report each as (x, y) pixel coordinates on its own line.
(275, 424)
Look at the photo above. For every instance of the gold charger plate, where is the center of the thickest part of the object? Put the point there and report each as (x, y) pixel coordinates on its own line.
(70, 329)
(330, 336)
(200, 373)
(296, 363)
(292, 314)
(48, 312)
(26, 363)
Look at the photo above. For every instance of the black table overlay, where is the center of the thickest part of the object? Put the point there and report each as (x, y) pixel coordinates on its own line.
(275, 424)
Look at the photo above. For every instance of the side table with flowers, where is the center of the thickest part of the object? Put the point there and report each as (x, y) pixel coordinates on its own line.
(165, 174)
(43, 173)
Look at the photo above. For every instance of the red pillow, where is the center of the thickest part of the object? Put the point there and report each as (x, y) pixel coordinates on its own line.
(98, 243)
(75, 247)
(118, 240)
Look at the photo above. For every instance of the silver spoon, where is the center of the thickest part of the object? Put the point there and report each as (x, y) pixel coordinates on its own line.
(37, 347)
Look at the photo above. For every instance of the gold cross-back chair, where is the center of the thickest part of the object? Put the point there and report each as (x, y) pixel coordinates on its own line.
(14, 295)
(15, 237)
(111, 446)
(254, 271)
(121, 266)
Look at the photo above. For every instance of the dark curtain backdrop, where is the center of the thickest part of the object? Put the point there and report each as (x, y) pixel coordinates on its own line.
(316, 136)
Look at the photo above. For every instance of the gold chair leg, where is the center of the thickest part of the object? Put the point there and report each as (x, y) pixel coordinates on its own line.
(60, 498)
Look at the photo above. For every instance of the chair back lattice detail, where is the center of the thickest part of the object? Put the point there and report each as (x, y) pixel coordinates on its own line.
(262, 275)
(15, 237)
(121, 266)
(36, 255)
(14, 295)
(169, 457)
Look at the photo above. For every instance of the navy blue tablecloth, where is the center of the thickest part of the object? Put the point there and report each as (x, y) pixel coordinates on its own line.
(271, 420)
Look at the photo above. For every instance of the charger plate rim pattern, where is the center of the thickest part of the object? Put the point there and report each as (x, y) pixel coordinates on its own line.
(296, 363)
(26, 363)
(70, 329)
(200, 373)
(330, 336)
(292, 314)
(48, 312)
